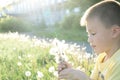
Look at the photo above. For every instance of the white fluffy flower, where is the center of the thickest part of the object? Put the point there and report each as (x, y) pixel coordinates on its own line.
(19, 63)
(28, 73)
(19, 57)
(39, 74)
(51, 69)
(55, 73)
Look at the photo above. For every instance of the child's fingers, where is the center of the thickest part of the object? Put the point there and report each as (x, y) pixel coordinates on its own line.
(61, 66)
(66, 64)
(65, 74)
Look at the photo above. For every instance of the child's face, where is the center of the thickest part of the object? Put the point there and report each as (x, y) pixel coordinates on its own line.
(99, 37)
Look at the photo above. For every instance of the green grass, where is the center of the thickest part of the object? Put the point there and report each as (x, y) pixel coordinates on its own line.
(19, 54)
(33, 58)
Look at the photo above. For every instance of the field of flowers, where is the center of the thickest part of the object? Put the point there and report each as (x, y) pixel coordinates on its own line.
(26, 58)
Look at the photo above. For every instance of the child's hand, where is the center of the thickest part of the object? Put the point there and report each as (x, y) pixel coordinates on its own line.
(63, 65)
(72, 74)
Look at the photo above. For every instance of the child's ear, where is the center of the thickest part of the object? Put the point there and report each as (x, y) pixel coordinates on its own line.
(115, 31)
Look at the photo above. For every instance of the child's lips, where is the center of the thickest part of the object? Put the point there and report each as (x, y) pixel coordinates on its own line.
(93, 46)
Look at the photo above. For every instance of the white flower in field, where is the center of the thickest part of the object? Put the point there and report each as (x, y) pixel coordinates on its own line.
(31, 61)
(39, 74)
(55, 42)
(35, 37)
(80, 57)
(84, 48)
(54, 51)
(55, 73)
(52, 69)
(29, 55)
(19, 57)
(14, 48)
(19, 63)
(66, 57)
(28, 73)
(57, 59)
(61, 57)
(87, 55)
(37, 42)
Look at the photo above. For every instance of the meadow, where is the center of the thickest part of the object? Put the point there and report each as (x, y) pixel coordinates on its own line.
(29, 58)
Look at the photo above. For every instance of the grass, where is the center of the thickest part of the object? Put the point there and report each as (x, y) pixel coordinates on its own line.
(25, 58)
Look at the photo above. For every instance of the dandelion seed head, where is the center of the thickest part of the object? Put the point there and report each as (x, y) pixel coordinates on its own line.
(83, 48)
(87, 55)
(55, 73)
(52, 69)
(19, 63)
(19, 57)
(29, 55)
(28, 73)
(39, 74)
(53, 51)
(14, 48)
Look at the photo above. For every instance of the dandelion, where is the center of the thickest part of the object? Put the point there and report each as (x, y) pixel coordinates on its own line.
(14, 48)
(61, 57)
(29, 55)
(28, 73)
(37, 42)
(53, 51)
(51, 69)
(55, 73)
(39, 74)
(57, 59)
(19, 57)
(19, 63)
(87, 55)
(84, 48)
(55, 42)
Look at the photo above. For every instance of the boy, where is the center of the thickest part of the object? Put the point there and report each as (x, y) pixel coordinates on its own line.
(102, 22)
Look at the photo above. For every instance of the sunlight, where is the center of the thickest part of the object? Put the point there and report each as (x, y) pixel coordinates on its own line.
(41, 2)
(36, 3)
(5, 2)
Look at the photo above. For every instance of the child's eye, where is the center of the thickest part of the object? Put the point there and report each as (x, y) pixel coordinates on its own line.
(93, 34)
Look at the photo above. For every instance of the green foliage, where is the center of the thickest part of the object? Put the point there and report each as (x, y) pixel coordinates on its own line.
(71, 21)
(13, 24)
(82, 4)
(69, 29)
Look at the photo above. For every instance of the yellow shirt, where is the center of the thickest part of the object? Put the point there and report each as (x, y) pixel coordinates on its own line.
(108, 70)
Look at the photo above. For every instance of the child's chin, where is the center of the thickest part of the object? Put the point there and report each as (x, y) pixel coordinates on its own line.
(98, 52)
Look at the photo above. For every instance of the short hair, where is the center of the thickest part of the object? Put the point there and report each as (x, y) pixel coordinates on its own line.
(107, 11)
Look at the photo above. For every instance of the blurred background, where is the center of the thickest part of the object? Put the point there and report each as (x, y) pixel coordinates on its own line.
(45, 18)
